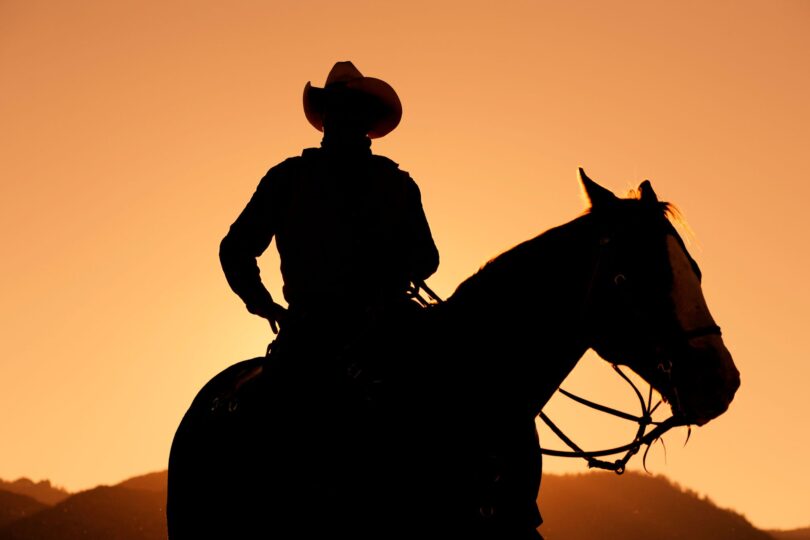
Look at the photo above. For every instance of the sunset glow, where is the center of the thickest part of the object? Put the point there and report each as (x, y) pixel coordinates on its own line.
(135, 132)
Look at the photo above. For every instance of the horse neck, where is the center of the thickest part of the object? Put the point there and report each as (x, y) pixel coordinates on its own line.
(525, 309)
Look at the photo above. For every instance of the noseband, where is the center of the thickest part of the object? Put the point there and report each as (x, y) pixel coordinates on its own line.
(703, 331)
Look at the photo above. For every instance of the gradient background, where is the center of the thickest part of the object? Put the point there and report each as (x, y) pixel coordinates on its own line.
(134, 132)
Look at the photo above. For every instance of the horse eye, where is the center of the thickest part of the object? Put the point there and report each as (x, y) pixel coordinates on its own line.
(619, 279)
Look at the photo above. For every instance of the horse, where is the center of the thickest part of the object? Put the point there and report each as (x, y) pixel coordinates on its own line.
(434, 433)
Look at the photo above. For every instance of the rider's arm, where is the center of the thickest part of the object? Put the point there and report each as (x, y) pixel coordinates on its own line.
(423, 255)
(247, 239)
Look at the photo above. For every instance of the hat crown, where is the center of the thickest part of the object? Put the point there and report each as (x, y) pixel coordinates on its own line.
(343, 72)
(382, 98)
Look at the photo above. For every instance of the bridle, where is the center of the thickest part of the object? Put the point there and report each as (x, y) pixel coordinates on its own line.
(643, 436)
(649, 430)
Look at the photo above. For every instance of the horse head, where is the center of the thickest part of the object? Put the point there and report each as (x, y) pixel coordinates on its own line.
(646, 308)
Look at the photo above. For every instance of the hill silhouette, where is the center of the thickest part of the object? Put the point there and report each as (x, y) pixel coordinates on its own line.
(14, 507)
(156, 481)
(798, 534)
(109, 513)
(42, 491)
(634, 507)
(592, 506)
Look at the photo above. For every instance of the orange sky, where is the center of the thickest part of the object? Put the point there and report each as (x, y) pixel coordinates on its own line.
(134, 132)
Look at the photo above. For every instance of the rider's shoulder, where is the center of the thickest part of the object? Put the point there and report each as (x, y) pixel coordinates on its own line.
(384, 161)
(283, 172)
(388, 165)
(311, 153)
(290, 164)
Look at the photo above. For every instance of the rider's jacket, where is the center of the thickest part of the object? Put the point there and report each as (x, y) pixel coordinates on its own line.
(349, 227)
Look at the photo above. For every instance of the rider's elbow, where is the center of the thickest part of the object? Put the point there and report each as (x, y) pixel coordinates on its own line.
(428, 264)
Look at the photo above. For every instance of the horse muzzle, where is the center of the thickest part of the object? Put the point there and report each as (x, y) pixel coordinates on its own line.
(707, 382)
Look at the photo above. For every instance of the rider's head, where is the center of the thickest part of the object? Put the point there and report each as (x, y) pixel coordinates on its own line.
(352, 104)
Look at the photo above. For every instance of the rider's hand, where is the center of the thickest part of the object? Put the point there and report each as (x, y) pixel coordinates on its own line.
(275, 315)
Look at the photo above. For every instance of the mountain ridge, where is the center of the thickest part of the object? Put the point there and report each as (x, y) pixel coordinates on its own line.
(42, 491)
(794, 534)
(634, 506)
(583, 506)
(14, 507)
(104, 512)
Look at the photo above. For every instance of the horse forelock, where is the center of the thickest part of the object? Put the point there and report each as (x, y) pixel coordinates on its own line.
(673, 220)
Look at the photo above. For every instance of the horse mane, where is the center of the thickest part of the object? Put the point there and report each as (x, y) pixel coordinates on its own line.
(515, 263)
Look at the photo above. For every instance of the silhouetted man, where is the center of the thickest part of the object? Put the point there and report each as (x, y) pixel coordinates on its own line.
(351, 234)
(349, 225)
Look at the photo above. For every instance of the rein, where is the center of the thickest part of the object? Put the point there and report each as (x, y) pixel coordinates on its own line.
(641, 438)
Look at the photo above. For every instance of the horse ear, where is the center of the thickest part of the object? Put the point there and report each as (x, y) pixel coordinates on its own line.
(647, 193)
(597, 195)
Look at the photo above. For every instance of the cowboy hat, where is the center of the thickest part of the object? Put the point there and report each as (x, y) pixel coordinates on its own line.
(387, 109)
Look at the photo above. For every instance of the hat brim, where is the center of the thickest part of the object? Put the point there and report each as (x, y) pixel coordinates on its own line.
(387, 115)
